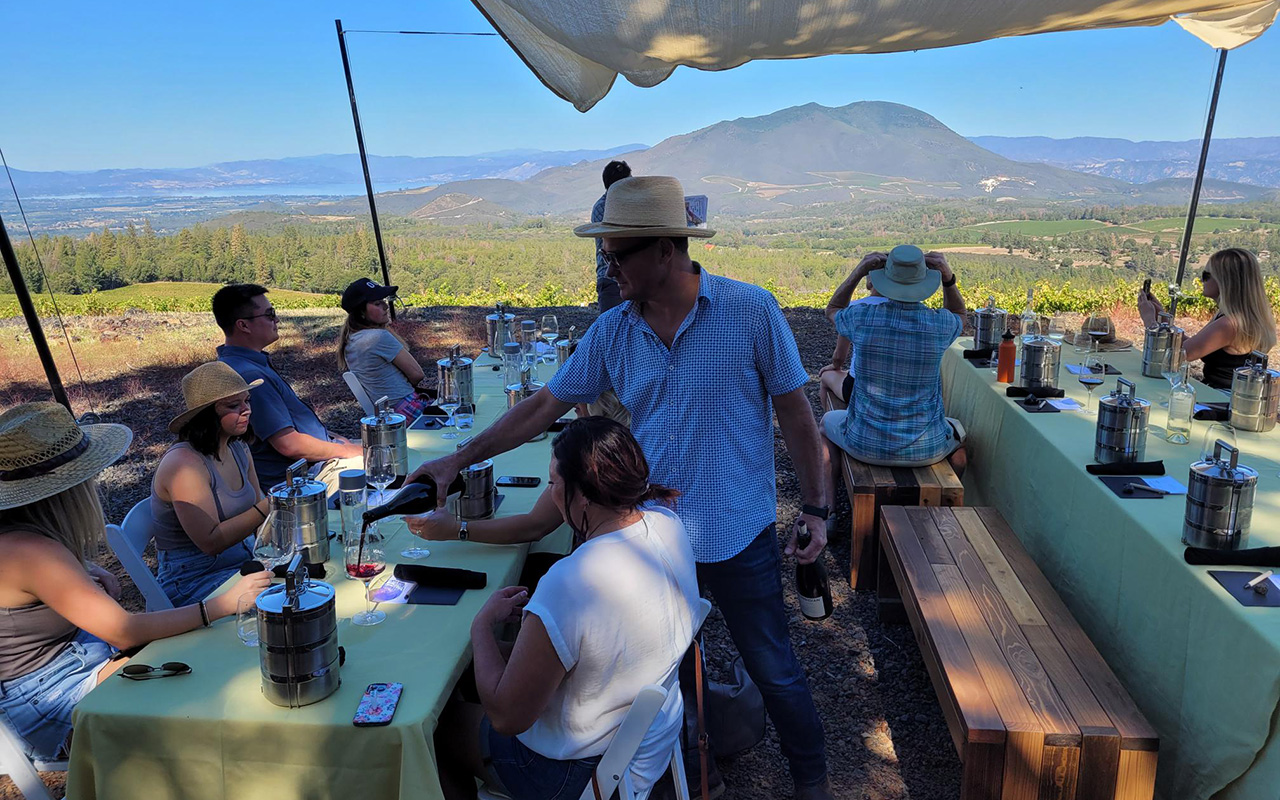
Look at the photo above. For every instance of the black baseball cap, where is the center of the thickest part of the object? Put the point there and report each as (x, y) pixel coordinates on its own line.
(364, 291)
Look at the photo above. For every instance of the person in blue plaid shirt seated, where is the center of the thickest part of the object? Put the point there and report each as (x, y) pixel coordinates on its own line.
(702, 362)
(895, 416)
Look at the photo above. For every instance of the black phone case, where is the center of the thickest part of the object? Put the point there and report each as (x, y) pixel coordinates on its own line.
(520, 482)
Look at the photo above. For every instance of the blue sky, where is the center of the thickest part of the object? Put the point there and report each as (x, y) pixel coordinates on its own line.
(92, 85)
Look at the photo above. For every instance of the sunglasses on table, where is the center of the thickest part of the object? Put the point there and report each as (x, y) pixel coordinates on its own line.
(270, 314)
(146, 672)
(614, 258)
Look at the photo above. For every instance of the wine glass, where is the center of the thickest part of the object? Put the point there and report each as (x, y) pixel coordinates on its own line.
(1092, 368)
(277, 539)
(1057, 327)
(365, 561)
(550, 332)
(1216, 431)
(247, 619)
(1170, 368)
(449, 401)
(1098, 326)
(380, 467)
(464, 417)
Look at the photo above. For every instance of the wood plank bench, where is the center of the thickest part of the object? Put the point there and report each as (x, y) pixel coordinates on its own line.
(1032, 707)
(871, 487)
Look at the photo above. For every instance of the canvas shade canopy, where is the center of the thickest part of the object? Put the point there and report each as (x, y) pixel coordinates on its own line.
(578, 49)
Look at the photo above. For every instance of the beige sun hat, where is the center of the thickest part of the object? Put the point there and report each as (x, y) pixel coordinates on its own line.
(650, 205)
(43, 452)
(206, 385)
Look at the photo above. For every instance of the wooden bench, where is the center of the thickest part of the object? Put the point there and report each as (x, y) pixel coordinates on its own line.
(871, 487)
(1033, 709)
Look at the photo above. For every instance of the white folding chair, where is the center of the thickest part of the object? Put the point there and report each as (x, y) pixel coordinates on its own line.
(22, 770)
(129, 541)
(362, 397)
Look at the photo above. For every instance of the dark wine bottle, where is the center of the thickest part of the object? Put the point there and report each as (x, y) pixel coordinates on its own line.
(417, 497)
(812, 585)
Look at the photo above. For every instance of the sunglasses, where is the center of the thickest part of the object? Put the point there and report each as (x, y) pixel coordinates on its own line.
(270, 314)
(146, 672)
(614, 259)
(1204, 276)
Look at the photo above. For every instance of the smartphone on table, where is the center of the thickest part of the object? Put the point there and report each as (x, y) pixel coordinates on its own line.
(378, 705)
(519, 481)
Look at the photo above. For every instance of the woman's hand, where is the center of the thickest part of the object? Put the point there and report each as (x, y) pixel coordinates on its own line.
(109, 583)
(438, 526)
(224, 605)
(504, 605)
(1148, 308)
(827, 368)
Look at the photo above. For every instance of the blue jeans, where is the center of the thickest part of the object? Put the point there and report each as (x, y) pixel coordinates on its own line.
(188, 574)
(748, 590)
(524, 774)
(38, 705)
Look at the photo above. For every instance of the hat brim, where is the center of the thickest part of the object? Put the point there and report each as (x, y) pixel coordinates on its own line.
(906, 292)
(371, 296)
(177, 422)
(603, 230)
(107, 442)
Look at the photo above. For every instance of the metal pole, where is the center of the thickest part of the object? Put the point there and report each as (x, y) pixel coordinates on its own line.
(1195, 188)
(364, 160)
(33, 321)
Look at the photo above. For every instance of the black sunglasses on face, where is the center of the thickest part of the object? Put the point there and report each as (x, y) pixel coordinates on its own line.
(146, 672)
(1204, 276)
(613, 259)
(270, 314)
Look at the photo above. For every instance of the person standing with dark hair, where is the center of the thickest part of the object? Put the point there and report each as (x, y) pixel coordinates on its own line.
(285, 428)
(607, 288)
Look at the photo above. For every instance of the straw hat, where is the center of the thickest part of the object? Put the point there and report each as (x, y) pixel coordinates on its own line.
(651, 205)
(206, 385)
(904, 276)
(43, 451)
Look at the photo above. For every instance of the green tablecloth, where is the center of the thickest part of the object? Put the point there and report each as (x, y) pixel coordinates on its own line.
(1204, 669)
(212, 734)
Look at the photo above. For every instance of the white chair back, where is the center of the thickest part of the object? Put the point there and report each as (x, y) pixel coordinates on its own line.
(23, 771)
(128, 542)
(362, 397)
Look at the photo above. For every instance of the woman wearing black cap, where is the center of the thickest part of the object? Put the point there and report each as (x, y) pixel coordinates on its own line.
(377, 356)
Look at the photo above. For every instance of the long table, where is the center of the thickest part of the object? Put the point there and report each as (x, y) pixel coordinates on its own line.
(1204, 669)
(213, 736)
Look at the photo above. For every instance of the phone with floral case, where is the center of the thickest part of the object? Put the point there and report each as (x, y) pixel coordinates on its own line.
(378, 705)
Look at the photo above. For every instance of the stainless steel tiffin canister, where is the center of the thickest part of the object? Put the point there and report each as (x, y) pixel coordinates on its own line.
(1255, 395)
(307, 501)
(456, 372)
(388, 428)
(1219, 500)
(1041, 361)
(988, 325)
(1121, 436)
(298, 640)
(566, 346)
(479, 495)
(1157, 343)
(498, 330)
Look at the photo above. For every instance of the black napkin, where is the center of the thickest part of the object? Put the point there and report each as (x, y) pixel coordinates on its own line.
(1132, 468)
(1252, 557)
(978, 355)
(1043, 394)
(1216, 412)
(441, 577)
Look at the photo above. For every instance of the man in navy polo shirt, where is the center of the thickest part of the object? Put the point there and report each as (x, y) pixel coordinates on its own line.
(286, 428)
(701, 362)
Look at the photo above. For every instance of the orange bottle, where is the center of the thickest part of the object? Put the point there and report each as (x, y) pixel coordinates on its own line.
(1007, 359)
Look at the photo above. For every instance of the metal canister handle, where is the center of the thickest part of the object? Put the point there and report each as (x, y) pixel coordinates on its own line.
(296, 472)
(1164, 320)
(1258, 361)
(1133, 389)
(1219, 446)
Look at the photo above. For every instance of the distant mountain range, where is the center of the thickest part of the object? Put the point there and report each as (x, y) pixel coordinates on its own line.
(321, 174)
(1254, 161)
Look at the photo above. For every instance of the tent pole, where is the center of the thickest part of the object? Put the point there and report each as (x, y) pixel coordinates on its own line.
(33, 321)
(1195, 188)
(364, 161)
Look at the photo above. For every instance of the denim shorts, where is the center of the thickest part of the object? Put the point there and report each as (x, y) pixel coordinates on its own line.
(38, 705)
(187, 574)
(523, 774)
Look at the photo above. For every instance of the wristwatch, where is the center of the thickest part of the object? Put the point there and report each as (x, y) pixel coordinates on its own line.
(821, 512)
(462, 531)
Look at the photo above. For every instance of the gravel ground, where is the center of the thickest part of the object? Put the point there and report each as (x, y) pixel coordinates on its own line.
(886, 737)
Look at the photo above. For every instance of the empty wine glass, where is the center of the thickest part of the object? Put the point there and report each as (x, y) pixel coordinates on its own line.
(247, 619)
(277, 539)
(550, 332)
(1092, 369)
(464, 417)
(1170, 368)
(364, 561)
(1057, 327)
(449, 402)
(1216, 431)
(380, 467)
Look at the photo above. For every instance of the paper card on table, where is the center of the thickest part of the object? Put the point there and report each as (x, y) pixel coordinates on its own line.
(1065, 404)
(1166, 482)
(394, 590)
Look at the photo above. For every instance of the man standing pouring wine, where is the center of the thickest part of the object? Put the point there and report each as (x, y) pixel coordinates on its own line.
(701, 362)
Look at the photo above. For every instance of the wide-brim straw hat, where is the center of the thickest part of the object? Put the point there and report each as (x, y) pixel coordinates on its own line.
(43, 452)
(905, 277)
(647, 206)
(206, 385)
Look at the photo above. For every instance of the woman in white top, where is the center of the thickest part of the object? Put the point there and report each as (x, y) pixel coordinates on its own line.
(615, 615)
(377, 356)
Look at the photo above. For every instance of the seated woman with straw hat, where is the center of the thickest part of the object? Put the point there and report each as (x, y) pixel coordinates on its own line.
(205, 501)
(60, 623)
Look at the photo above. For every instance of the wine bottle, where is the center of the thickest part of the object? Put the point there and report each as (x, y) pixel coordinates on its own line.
(417, 497)
(812, 585)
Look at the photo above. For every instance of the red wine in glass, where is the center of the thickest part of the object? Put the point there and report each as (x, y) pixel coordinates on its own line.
(365, 572)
